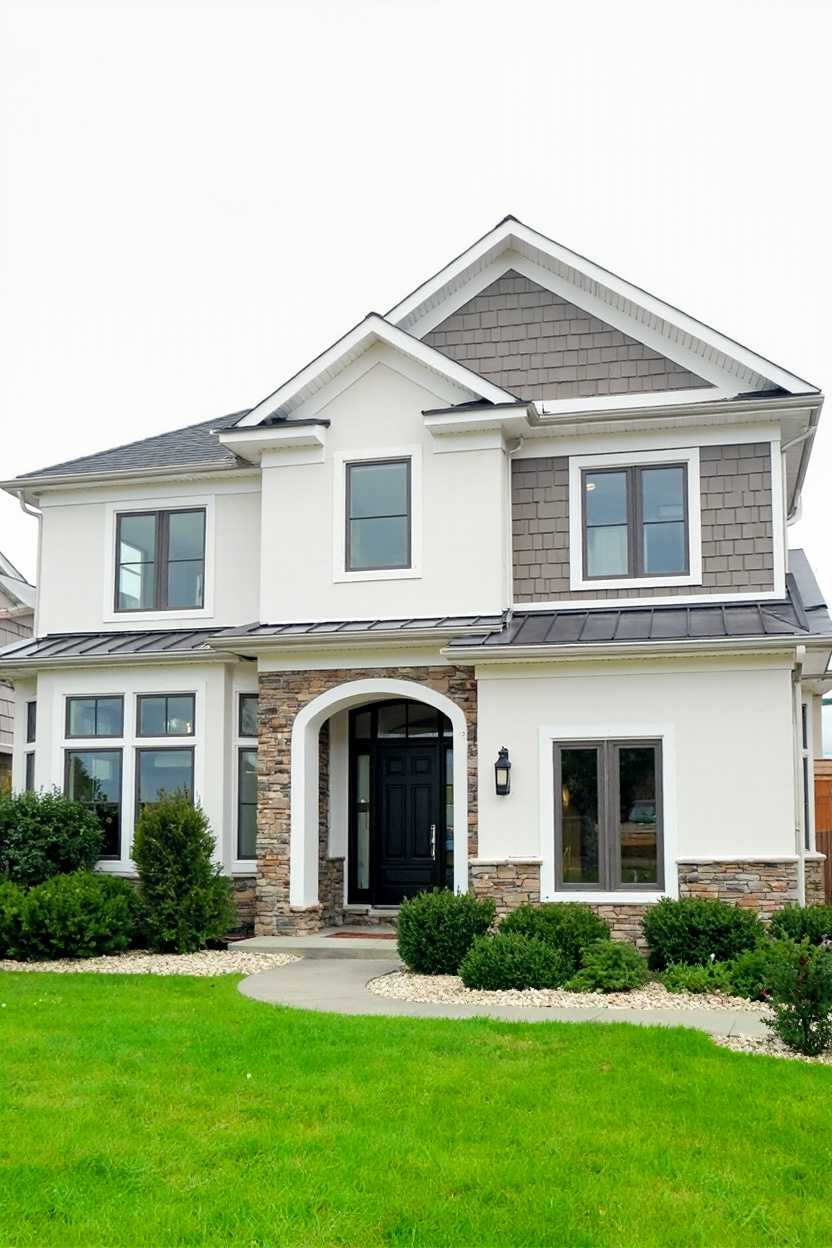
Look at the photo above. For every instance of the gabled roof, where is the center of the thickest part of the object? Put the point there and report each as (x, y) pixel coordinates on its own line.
(14, 585)
(195, 445)
(513, 245)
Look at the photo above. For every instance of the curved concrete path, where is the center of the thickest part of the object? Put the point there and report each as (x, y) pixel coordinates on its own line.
(340, 986)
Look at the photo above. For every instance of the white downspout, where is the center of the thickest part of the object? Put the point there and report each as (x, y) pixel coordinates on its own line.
(797, 725)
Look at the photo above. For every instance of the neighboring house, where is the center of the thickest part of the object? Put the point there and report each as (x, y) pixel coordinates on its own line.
(17, 617)
(532, 509)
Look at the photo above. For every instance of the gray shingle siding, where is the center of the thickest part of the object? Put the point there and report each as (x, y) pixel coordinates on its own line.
(737, 527)
(536, 345)
(180, 448)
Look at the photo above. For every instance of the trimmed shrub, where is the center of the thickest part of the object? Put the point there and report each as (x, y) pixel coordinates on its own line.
(78, 915)
(800, 979)
(12, 898)
(610, 966)
(712, 977)
(569, 926)
(748, 974)
(436, 930)
(512, 960)
(692, 929)
(811, 923)
(45, 834)
(187, 899)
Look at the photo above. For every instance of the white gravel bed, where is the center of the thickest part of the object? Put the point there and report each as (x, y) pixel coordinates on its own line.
(768, 1046)
(450, 990)
(140, 962)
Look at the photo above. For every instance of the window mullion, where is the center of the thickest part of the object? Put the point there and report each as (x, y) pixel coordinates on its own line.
(162, 546)
(636, 510)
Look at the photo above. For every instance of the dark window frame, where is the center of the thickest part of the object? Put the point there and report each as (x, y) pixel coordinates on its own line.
(161, 560)
(609, 848)
(89, 736)
(241, 752)
(243, 699)
(68, 754)
(159, 749)
(29, 771)
(31, 722)
(153, 736)
(348, 517)
(635, 521)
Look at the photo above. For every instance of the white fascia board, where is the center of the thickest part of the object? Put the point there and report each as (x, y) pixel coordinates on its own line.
(31, 488)
(512, 422)
(610, 651)
(582, 276)
(371, 330)
(156, 658)
(250, 444)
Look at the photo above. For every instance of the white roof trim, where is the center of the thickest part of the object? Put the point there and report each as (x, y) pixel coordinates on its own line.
(418, 312)
(371, 330)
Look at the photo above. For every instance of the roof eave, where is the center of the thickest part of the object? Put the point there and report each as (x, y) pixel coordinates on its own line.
(701, 647)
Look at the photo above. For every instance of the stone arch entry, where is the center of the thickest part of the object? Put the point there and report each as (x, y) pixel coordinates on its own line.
(304, 809)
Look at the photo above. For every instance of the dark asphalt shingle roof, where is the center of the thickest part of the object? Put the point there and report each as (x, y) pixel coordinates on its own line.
(194, 444)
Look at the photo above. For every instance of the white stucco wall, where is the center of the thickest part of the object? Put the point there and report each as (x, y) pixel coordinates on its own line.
(459, 516)
(727, 749)
(77, 567)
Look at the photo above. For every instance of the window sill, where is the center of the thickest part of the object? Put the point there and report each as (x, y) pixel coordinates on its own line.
(620, 898)
(635, 582)
(379, 574)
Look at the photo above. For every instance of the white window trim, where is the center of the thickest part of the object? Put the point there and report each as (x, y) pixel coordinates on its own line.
(578, 464)
(129, 506)
(550, 736)
(340, 573)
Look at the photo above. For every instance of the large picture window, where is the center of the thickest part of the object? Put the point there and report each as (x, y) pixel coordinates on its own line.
(160, 560)
(635, 522)
(608, 815)
(94, 778)
(378, 528)
(163, 771)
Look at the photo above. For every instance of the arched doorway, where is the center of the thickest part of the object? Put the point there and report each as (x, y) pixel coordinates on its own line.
(401, 802)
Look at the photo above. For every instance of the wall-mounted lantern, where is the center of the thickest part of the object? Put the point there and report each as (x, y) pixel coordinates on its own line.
(502, 774)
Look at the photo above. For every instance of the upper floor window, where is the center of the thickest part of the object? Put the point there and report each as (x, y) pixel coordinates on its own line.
(635, 521)
(378, 528)
(160, 560)
(165, 715)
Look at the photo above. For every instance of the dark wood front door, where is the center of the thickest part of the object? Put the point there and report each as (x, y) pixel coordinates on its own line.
(409, 841)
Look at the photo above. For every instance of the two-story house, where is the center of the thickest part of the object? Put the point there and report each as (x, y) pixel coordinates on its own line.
(533, 517)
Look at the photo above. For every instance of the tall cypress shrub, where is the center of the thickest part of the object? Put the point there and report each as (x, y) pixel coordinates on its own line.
(187, 898)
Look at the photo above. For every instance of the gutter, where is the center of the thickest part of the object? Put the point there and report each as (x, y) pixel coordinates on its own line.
(553, 652)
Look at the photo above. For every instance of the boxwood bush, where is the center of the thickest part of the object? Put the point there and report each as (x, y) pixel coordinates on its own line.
(436, 930)
(45, 834)
(512, 960)
(610, 966)
(712, 977)
(12, 898)
(811, 923)
(748, 974)
(568, 926)
(692, 929)
(187, 899)
(78, 915)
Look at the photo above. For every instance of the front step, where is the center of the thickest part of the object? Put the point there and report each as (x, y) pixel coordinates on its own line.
(335, 942)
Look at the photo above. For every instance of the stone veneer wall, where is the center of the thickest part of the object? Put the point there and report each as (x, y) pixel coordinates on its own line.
(282, 696)
(756, 884)
(815, 884)
(736, 520)
(244, 897)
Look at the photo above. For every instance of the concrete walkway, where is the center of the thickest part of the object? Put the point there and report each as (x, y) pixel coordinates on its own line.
(339, 985)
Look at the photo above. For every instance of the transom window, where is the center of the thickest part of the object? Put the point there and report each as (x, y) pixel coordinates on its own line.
(608, 815)
(635, 521)
(94, 717)
(165, 715)
(378, 515)
(160, 560)
(248, 715)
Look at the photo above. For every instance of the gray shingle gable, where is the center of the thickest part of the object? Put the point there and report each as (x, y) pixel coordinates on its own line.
(195, 444)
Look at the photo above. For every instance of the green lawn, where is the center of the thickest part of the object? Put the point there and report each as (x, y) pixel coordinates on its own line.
(151, 1112)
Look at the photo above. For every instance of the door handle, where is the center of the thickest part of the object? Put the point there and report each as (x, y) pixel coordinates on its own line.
(433, 841)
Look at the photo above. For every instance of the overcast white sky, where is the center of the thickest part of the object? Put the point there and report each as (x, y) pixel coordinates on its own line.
(199, 196)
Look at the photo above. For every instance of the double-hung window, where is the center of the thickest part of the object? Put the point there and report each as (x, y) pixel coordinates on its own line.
(608, 815)
(378, 519)
(160, 560)
(635, 521)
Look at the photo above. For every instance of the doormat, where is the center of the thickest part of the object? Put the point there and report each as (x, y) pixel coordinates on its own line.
(369, 934)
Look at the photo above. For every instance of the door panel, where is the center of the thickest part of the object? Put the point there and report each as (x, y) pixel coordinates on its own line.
(408, 803)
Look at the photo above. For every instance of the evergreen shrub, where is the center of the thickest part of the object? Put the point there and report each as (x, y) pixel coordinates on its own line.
(800, 981)
(568, 926)
(712, 977)
(187, 899)
(45, 834)
(811, 923)
(79, 915)
(436, 930)
(692, 929)
(12, 898)
(748, 974)
(610, 966)
(512, 960)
